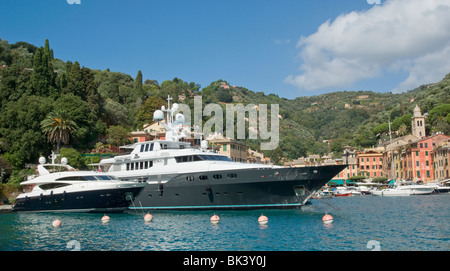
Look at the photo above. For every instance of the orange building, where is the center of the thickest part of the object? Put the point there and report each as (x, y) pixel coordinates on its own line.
(370, 163)
(418, 159)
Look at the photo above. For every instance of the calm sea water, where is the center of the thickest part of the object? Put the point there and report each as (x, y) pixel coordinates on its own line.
(360, 224)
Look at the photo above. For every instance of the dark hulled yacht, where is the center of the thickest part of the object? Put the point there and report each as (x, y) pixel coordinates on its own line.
(181, 177)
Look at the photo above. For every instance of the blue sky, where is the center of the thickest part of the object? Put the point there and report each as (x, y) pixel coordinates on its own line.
(289, 47)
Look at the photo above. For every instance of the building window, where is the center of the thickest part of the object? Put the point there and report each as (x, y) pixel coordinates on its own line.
(224, 147)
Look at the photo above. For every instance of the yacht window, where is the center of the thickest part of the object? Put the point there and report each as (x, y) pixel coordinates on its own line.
(146, 147)
(142, 165)
(53, 185)
(128, 166)
(151, 147)
(106, 178)
(132, 166)
(146, 164)
(164, 146)
(217, 176)
(203, 177)
(194, 158)
(142, 147)
(231, 175)
(88, 178)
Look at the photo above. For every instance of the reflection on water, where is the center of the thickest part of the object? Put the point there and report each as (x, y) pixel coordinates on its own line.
(403, 223)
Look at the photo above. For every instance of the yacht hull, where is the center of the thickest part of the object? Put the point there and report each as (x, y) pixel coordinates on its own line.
(104, 200)
(236, 189)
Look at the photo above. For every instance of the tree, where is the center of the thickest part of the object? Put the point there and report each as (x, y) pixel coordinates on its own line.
(117, 135)
(74, 157)
(145, 112)
(138, 88)
(57, 127)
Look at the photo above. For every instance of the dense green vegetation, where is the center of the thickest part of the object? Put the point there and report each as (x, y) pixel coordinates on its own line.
(37, 89)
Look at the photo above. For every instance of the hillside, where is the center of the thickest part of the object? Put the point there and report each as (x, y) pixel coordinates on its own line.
(105, 105)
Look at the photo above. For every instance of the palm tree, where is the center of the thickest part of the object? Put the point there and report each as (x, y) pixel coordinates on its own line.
(58, 127)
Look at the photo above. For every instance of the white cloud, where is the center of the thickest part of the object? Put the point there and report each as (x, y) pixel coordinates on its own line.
(411, 36)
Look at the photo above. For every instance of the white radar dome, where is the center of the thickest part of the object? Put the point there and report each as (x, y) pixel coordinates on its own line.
(179, 118)
(158, 115)
(42, 160)
(64, 161)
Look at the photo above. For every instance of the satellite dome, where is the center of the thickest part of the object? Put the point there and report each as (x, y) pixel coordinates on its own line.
(179, 118)
(64, 161)
(158, 115)
(42, 160)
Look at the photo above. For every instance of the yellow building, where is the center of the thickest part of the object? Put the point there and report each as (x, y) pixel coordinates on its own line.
(235, 150)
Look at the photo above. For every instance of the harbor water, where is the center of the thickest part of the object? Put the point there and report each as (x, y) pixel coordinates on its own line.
(414, 223)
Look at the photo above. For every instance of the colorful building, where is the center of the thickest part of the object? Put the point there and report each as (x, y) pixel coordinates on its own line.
(370, 162)
(421, 157)
(235, 150)
(441, 156)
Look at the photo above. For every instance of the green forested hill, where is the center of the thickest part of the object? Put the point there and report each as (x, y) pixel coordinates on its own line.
(106, 104)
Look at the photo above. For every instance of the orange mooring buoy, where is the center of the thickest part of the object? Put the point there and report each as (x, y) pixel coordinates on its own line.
(263, 220)
(327, 219)
(215, 219)
(56, 223)
(148, 217)
(105, 219)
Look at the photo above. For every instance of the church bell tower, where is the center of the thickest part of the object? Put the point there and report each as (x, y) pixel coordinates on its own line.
(418, 123)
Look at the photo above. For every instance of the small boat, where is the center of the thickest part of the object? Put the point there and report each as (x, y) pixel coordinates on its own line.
(391, 192)
(322, 194)
(441, 186)
(59, 187)
(349, 194)
(417, 189)
(342, 192)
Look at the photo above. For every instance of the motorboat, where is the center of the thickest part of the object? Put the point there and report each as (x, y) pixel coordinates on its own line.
(343, 191)
(61, 188)
(391, 192)
(417, 189)
(442, 186)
